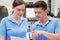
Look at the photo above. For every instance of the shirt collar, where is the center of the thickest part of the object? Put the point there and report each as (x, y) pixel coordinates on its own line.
(38, 23)
(21, 19)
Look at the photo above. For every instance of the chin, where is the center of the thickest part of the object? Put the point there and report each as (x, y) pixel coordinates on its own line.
(19, 16)
(38, 18)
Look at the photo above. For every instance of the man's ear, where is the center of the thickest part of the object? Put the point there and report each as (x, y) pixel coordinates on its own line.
(46, 11)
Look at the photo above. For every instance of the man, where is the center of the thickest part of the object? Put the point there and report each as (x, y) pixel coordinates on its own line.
(46, 28)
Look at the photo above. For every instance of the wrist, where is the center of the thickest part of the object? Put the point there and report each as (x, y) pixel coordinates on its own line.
(41, 33)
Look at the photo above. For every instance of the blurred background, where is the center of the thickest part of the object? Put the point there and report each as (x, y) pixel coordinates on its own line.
(53, 6)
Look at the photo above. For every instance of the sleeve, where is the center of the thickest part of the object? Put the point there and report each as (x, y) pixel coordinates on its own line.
(2, 28)
(57, 29)
(33, 27)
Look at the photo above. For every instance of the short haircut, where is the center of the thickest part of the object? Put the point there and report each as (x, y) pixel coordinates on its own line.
(17, 3)
(41, 4)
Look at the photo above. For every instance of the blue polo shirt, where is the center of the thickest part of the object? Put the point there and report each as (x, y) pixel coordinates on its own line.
(8, 27)
(52, 26)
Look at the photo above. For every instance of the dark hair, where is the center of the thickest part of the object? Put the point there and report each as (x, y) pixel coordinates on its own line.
(41, 4)
(17, 2)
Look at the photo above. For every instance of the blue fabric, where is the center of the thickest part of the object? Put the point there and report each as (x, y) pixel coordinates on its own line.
(10, 28)
(52, 26)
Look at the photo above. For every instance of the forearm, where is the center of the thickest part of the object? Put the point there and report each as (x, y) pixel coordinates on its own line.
(52, 36)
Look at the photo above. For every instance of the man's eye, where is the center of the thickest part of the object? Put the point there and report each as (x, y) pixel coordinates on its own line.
(39, 12)
(18, 9)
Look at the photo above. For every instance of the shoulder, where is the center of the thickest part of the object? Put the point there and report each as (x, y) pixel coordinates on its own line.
(3, 22)
(24, 19)
(35, 24)
(54, 19)
(4, 19)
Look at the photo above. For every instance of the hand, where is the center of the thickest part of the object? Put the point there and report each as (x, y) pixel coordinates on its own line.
(37, 32)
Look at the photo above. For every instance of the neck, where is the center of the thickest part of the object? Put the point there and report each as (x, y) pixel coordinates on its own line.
(15, 18)
(44, 20)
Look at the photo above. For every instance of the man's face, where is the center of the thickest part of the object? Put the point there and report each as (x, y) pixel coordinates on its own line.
(40, 13)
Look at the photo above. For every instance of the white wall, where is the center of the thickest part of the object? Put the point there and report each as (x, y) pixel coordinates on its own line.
(54, 5)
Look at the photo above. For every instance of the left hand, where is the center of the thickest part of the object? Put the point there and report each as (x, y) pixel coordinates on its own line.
(37, 32)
